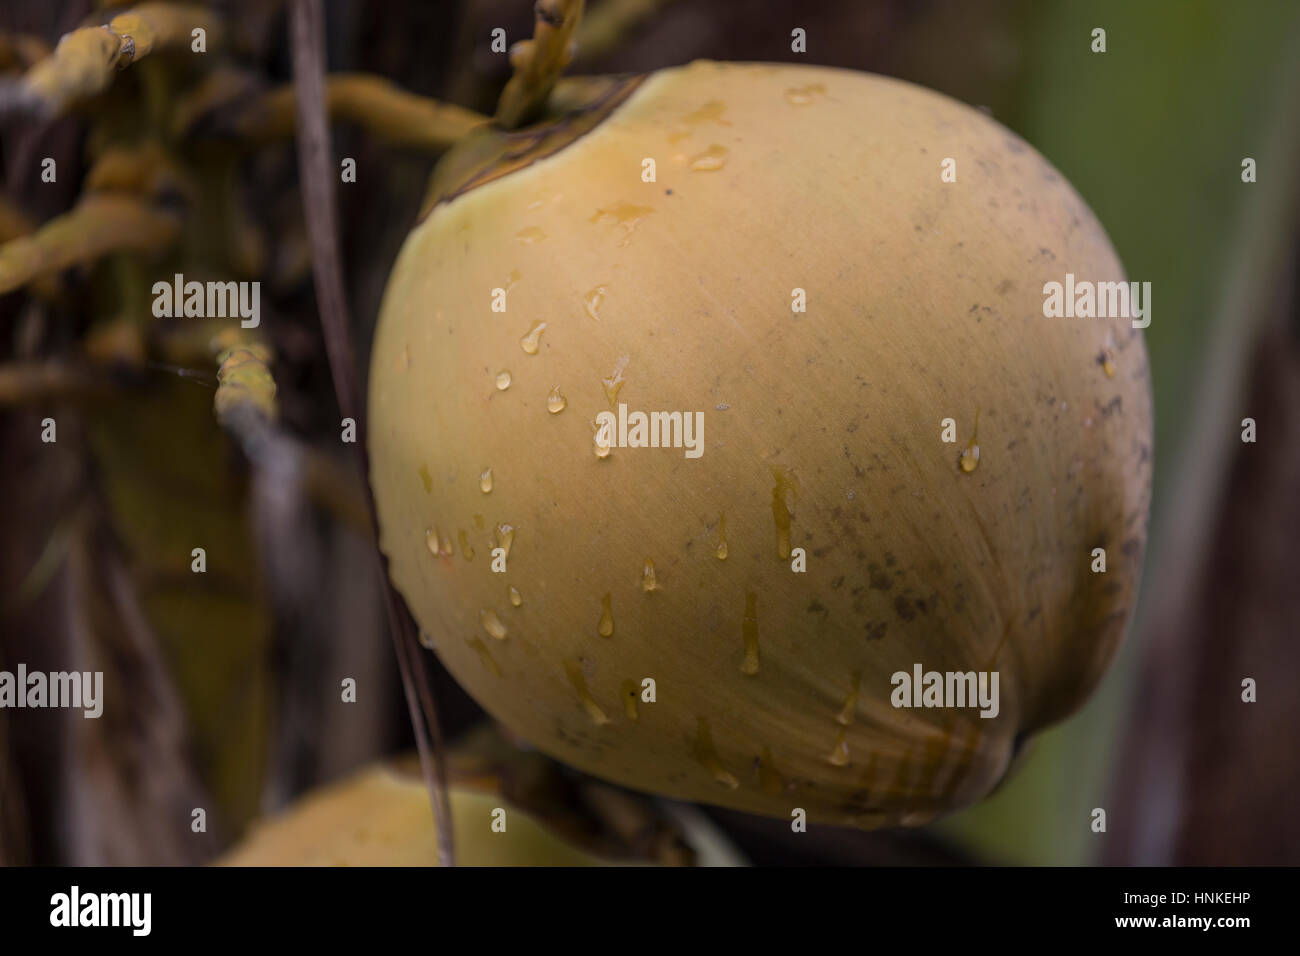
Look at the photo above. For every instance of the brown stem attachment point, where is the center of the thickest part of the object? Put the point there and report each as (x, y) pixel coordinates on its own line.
(316, 171)
(538, 62)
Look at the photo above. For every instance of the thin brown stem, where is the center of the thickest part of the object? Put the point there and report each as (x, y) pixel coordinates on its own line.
(316, 172)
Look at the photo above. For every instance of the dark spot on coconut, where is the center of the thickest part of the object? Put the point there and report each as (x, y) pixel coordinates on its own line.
(836, 584)
(1005, 286)
(1114, 407)
(875, 630)
(857, 468)
(816, 607)
(1034, 612)
(903, 608)
(880, 581)
(1132, 546)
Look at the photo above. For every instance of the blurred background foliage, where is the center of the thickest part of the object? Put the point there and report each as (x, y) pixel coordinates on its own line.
(228, 679)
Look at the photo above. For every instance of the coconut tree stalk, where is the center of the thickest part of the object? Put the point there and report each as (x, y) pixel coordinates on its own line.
(538, 62)
(40, 379)
(378, 106)
(99, 224)
(85, 60)
(316, 171)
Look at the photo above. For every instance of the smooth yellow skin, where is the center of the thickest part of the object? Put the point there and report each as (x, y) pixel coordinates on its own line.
(924, 302)
(379, 817)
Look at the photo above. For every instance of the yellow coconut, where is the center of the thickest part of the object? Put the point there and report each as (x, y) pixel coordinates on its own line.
(905, 463)
(381, 817)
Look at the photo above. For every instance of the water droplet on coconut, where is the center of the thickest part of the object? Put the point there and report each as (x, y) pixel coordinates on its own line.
(593, 299)
(530, 342)
(515, 597)
(769, 778)
(601, 439)
(425, 639)
(503, 380)
(648, 582)
(721, 551)
(530, 235)
(505, 538)
(615, 381)
(624, 214)
(574, 672)
(485, 481)
(710, 111)
(484, 655)
(606, 626)
(434, 542)
(803, 95)
(630, 694)
(970, 458)
(465, 548)
(749, 630)
(847, 712)
(426, 479)
(839, 755)
(707, 755)
(783, 499)
(555, 402)
(711, 160)
(492, 624)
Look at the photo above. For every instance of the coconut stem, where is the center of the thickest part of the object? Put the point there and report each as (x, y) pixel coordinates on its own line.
(84, 62)
(378, 106)
(99, 224)
(539, 62)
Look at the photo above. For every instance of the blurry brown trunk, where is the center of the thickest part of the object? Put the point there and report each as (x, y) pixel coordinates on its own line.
(1202, 771)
